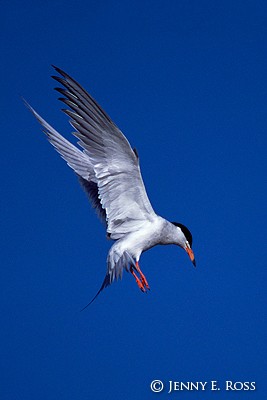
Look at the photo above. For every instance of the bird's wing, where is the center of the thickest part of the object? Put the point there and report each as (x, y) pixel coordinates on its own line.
(91, 189)
(115, 164)
(77, 160)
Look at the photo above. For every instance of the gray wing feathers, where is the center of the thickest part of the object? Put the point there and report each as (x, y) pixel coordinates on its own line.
(77, 160)
(74, 157)
(92, 191)
(116, 166)
(107, 168)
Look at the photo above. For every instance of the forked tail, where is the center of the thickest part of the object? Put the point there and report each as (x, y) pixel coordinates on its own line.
(105, 283)
(115, 266)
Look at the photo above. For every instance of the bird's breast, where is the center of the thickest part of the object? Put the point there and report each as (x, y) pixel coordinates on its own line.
(143, 239)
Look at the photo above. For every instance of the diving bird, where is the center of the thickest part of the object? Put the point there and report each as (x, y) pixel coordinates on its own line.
(108, 169)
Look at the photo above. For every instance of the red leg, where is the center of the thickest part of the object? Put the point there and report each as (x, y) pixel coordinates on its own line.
(143, 278)
(139, 283)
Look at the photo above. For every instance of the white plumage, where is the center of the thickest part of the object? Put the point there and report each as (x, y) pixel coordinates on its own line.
(108, 169)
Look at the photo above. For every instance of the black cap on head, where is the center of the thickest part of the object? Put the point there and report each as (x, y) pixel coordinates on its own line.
(185, 231)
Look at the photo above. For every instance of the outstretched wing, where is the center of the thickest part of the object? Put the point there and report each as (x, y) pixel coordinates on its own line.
(115, 164)
(77, 160)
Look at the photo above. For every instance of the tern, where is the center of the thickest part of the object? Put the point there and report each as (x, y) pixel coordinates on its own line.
(109, 171)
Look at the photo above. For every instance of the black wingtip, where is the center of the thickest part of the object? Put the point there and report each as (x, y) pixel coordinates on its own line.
(61, 72)
(57, 69)
(62, 81)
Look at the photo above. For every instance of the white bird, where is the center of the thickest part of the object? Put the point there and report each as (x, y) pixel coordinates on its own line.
(109, 171)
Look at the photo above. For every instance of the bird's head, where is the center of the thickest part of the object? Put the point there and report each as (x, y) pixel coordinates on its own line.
(185, 240)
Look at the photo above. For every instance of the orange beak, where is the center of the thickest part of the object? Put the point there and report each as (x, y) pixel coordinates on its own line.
(191, 255)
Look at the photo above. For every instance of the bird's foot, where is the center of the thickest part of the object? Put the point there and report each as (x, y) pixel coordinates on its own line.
(141, 282)
(143, 278)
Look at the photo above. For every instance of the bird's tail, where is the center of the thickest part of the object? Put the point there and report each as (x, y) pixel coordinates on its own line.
(116, 264)
(105, 283)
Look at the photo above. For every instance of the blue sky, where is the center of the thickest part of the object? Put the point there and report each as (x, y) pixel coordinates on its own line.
(186, 82)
